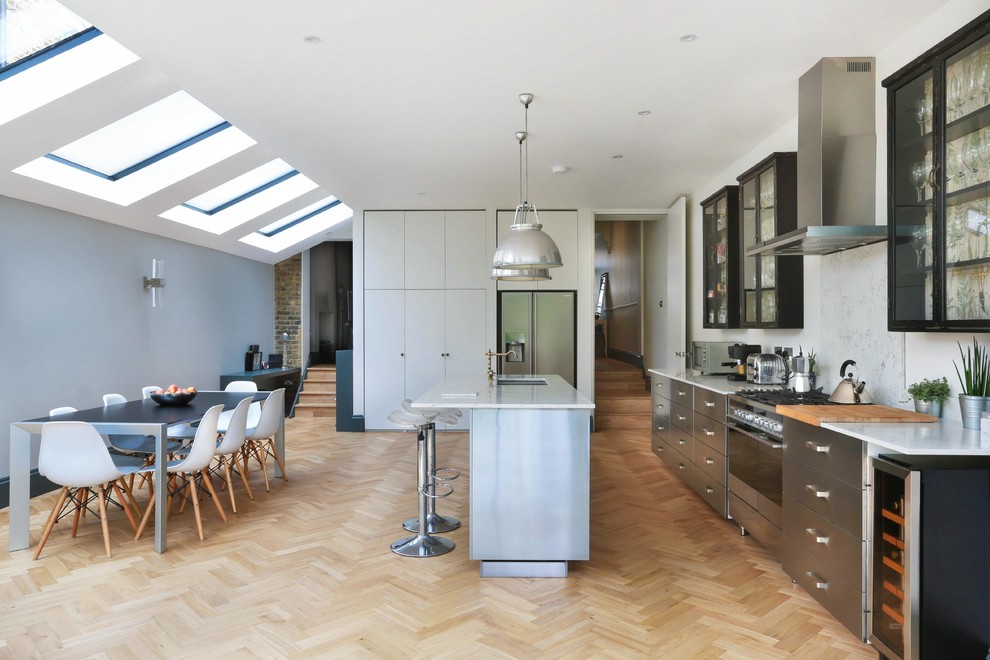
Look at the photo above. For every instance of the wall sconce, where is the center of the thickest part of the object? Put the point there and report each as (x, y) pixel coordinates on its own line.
(156, 282)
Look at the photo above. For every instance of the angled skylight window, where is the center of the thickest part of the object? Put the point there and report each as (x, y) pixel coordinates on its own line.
(58, 70)
(299, 226)
(28, 26)
(243, 198)
(142, 153)
(157, 131)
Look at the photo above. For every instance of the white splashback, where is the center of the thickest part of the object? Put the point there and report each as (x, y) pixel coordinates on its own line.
(854, 324)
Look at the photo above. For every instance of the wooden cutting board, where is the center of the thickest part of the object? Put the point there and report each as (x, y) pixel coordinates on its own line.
(815, 415)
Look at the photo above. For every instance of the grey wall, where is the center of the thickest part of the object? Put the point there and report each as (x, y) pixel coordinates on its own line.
(76, 323)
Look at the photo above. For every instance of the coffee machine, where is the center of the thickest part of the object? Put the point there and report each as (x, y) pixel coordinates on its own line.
(738, 353)
(801, 378)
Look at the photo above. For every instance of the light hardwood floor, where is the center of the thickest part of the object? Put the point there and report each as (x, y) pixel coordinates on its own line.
(306, 571)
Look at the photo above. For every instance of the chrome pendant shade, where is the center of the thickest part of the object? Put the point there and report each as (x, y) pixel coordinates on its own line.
(526, 253)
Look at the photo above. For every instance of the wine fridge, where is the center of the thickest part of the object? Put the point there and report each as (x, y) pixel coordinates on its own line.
(930, 566)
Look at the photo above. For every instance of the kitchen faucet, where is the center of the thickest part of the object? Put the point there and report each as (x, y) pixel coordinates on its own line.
(491, 354)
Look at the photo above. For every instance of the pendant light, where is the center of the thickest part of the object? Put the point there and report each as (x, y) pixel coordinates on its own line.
(527, 252)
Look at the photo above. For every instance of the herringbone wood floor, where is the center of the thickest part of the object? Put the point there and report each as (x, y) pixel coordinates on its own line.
(305, 571)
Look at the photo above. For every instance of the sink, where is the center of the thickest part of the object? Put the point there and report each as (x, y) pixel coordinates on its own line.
(520, 380)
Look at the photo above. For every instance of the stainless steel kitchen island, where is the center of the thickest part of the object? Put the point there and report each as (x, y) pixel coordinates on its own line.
(530, 442)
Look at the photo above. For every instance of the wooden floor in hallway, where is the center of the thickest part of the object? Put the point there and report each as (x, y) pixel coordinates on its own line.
(306, 571)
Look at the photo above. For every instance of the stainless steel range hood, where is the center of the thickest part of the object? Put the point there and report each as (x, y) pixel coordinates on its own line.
(836, 161)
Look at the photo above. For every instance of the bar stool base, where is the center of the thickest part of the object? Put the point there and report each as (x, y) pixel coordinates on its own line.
(435, 524)
(422, 546)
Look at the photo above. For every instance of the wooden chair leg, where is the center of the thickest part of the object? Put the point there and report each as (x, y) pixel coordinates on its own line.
(243, 475)
(124, 503)
(195, 500)
(80, 497)
(102, 493)
(230, 484)
(147, 516)
(216, 500)
(278, 459)
(52, 518)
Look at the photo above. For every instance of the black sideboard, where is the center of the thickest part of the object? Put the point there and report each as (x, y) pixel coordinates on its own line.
(270, 379)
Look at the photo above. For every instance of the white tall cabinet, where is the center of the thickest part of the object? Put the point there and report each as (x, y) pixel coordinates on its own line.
(426, 281)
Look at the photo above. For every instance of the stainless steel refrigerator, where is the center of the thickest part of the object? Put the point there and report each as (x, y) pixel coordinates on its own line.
(539, 326)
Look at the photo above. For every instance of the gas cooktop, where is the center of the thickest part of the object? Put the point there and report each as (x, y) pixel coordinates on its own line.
(785, 397)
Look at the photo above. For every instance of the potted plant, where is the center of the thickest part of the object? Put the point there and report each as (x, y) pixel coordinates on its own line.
(929, 395)
(974, 381)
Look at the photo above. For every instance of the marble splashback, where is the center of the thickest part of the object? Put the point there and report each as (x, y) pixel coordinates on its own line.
(854, 324)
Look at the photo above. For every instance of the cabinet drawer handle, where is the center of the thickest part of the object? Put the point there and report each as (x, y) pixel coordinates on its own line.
(710, 404)
(821, 449)
(709, 461)
(709, 490)
(660, 406)
(661, 428)
(681, 441)
(818, 493)
(680, 393)
(681, 466)
(820, 583)
(659, 450)
(818, 537)
(680, 418)
(707, 432)
(660, 385)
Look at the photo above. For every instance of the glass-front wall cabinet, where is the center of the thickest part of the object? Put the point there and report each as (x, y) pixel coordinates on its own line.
(772, 287)
(939, 186)
(720, 227)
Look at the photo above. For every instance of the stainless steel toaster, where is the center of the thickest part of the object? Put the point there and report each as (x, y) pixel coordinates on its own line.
(769, 369)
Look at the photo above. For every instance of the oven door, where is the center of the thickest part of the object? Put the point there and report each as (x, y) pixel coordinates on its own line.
(756, 471)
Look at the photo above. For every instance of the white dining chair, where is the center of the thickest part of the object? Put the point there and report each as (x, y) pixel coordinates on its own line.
(229, 450)
(121, 460)
(260, 441)
(192, 471)
(74, 456)
(254, 412)
(134, 443)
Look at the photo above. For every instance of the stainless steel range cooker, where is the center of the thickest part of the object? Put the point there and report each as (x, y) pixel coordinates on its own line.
(756, 459)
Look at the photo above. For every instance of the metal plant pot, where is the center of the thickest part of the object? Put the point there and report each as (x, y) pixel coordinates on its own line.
(928, 408)
(970, 408)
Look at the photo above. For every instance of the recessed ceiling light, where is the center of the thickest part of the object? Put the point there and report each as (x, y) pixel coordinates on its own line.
(617, 156)
(560, 169)
(687, 38)
(643, 113)
(421, 194)
(312, 39)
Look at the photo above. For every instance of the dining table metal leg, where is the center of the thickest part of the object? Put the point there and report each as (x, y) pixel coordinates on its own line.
(20, 489)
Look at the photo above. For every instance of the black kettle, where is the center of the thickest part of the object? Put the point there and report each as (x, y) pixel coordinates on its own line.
(850, 390)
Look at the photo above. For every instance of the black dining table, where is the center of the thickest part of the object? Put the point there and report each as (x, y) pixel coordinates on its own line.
(139, 417)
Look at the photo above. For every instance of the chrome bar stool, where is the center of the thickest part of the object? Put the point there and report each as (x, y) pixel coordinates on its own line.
(422, 544)
(435, 523)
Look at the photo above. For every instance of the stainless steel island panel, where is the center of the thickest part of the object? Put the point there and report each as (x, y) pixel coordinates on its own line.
(530, 483)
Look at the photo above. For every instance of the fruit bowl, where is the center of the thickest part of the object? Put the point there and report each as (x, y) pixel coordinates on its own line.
(174, 399)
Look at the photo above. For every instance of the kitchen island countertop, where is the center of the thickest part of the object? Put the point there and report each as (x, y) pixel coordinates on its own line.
(479, 393)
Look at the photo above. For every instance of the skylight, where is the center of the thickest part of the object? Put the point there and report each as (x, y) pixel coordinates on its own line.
(154, 132)
(241, 199)
(142, 153)
(28, 26)
(34, 82)
(299, 226)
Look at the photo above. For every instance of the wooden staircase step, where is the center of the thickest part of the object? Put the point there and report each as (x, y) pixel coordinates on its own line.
(632, 374)
(320, 397)
(319, 388)
(622, 421)
(637, 385)
(640, 405)
(315, 409)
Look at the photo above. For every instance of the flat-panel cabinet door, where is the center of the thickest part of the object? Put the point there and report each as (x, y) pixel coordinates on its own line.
(384, 338)
(425, 342)
(465, 330)
(468, 264)
(384, 252)
(424, 249)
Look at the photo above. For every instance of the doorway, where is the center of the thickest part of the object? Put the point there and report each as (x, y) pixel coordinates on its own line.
(331, 317)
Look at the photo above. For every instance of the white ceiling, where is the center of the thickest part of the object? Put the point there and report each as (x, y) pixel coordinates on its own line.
(406, 104)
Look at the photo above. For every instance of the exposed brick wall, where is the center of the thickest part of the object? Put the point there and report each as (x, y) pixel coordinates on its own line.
(288, 307)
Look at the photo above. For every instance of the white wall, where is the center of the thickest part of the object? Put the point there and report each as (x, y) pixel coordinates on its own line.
(76, 322)
(845, 295)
